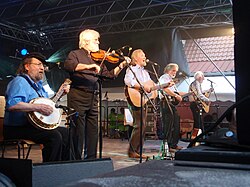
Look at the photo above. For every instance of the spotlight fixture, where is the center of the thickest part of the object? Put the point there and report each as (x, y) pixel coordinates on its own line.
(24, 52)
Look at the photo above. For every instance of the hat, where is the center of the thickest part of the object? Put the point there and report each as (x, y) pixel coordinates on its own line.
(36, 55)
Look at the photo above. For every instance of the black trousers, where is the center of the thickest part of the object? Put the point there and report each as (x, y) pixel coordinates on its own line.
(170, 123)
(85, 131)
(55, 142)
(196, 111)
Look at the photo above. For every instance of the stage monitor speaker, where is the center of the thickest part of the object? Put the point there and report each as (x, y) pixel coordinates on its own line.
(61, 173)
(22, 173)
(19, 171)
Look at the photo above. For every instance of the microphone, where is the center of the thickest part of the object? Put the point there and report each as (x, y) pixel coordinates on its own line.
(126, 46)
(153, 63)
(117, 51)
(65, 108)
(182, 74)
(211, 81)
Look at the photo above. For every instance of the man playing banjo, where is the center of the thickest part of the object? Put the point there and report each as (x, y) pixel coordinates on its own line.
(26, 86)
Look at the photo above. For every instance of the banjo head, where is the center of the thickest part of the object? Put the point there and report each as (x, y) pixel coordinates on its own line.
(45, 122)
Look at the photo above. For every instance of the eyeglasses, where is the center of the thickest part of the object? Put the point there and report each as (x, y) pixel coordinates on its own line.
(39, 64)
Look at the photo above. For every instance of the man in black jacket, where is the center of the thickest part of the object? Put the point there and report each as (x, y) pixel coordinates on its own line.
(83, 96)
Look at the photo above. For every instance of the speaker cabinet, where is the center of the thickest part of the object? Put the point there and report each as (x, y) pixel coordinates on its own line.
(23, 173)
(19, 171)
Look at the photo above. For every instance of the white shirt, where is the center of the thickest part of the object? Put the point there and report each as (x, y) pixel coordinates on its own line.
(166, 78)
(196, 87)
(141, 74)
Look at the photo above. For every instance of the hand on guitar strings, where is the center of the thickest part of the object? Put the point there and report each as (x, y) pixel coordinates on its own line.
(171, 83)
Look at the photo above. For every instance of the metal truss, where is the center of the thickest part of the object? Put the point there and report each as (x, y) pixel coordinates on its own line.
(62, 20)
(22, 36)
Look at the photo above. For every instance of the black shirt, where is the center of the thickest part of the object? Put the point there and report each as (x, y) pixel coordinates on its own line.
(85, 79)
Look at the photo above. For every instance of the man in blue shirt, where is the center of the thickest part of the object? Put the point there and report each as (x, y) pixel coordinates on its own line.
(27, 85)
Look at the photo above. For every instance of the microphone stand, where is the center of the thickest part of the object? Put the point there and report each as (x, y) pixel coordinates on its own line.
(70, 122)
(165, 154)
(216, 99)
(142, 93)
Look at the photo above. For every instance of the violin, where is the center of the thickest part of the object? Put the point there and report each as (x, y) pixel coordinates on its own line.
(103, 55)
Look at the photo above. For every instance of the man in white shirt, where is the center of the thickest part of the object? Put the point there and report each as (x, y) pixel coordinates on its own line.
(138, 61)
(170, 116)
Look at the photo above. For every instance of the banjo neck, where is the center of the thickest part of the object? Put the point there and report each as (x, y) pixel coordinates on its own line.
(60, 91)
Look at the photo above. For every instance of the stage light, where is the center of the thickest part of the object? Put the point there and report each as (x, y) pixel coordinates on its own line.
(24, 52)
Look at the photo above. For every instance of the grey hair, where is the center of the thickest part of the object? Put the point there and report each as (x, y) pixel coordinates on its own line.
(170, 66)
(134, 55)
(87, 35)
(198, 74)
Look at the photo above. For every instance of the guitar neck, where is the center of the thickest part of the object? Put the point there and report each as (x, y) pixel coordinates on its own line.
(157, 87)
(187, 94)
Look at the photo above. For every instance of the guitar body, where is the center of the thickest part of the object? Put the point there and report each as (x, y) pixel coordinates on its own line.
(205, 106)
(134, 96)
(45, 122)
(174, 101)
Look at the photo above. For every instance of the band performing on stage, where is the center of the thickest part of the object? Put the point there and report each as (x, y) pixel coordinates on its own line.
(31, 115)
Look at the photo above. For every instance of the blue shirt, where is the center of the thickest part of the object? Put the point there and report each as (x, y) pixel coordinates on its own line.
(19, 90)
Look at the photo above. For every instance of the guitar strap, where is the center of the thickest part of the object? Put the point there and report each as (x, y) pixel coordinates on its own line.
(31, 84)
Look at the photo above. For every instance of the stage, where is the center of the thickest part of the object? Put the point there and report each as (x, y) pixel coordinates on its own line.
(116, 169)
(173, 173)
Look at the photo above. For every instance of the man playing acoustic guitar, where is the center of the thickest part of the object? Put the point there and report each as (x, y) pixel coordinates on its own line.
(138, 61)
(170, 116)
(199, 101)
(26, 86)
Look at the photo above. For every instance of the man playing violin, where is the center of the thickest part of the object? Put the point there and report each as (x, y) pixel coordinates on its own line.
(170, 116)
(83, 96)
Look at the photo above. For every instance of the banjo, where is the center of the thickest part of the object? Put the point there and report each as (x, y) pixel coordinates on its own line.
(53, 120)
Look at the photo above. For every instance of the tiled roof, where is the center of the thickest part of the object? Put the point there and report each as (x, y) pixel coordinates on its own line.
(219, 49)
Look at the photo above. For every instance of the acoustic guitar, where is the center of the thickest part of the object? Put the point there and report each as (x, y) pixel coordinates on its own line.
(53, 120)
(174, 101)
(134, 96)
(205, 105)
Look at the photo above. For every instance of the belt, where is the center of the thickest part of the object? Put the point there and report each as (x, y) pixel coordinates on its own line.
(95, 92)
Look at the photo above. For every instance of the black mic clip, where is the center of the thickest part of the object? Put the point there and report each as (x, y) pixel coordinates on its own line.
(120, 50)
(212, 82)
(65, 108)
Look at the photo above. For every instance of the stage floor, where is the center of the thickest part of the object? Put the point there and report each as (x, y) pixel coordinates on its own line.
(116, 149)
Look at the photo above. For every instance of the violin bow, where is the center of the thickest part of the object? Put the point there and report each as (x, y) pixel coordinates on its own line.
(105, 55)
